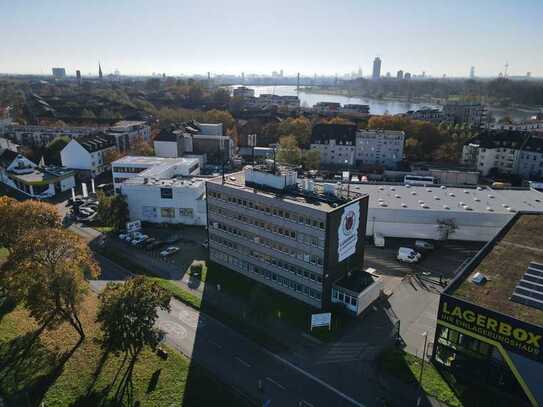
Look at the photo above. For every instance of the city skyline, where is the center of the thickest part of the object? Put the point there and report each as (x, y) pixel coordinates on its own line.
(139, 38)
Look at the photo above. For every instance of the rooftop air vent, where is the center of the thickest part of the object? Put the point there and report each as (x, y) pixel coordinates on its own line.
(421, 201)
(413, 193)
(428, 189)
(488, 208)
(468, 208)
(446, 207)
(451, 195)
(404, 205)
(437, 198)
(476, 199)
(478, 278)
(479, 189)
(397, 196)
(466, 191)
(510, 210)
(392, 189)
(443, 187)
(408, 186)
(381, 188)
(425, 206)
(491, 196)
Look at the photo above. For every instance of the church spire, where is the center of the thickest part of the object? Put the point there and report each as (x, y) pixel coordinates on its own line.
(99, 71)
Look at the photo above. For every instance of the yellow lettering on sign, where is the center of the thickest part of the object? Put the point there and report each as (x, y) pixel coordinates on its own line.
(469, 316)
(520, 334)
(481, 320)
(491, 324)
(533, 339)
(505, 329)
(456, 312)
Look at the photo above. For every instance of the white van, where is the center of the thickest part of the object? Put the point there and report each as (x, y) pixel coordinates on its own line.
(404, 258)
(424, 245)
(408, 252)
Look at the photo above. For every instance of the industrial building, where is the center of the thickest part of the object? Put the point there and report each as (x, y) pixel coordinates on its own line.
(161, 190)
(442, 213)
(490, 320)
(304, 242)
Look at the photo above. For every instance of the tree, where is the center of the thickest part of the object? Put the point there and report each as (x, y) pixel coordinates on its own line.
(127, 315)
(112, 210)
(19, 218)
(311, 160)
(299, 127)
(87, 114)
(142, 147)
(289, 152)
(46, 272)
(53, 149)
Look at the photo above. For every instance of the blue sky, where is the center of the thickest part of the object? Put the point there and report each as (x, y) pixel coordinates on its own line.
(231, 36)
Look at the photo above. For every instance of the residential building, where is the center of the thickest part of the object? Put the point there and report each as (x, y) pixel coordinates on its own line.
(327, 108)
(296, 240)
(506, 152)
(343, 145)
(490, 318)
(376, 74)
(473, 114)
(127, 133)
(195, 139)
(353, 109)
(529, 125)
(427, 115)
(59, 73)
(18, 172)
(379, 148)
(131, 166)
(336, 143)
(162, 190)
(88, 154)
(243, 92)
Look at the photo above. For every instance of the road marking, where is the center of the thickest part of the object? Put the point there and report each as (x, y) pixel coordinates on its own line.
(322, 383)
(173, 328)
(244, 363)
(277, 384)
(306, 403)
(219, 346)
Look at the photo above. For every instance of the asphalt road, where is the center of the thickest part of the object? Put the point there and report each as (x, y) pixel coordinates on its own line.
(235, 359)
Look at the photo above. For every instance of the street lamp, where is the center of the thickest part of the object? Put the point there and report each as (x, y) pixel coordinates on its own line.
(425, 334)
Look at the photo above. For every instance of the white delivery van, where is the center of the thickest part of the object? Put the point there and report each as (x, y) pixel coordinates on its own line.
(404, 258)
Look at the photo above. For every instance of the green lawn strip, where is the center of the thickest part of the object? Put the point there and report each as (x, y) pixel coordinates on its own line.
(194, 301)
(406, 367)
(103, 229)
(3, 253)
(31, 379)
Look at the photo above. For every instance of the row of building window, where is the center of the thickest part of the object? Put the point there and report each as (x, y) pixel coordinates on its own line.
(344, 298)
(300, 255)
(291, 268)
(130, 170)
(279, 212)
(238, 264)
(300, 237)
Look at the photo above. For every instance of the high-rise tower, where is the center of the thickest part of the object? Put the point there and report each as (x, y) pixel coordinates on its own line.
(376, 68)
(99, 71)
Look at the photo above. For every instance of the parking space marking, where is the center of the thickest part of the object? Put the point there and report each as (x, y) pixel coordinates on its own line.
(276, 383)
(244, 363)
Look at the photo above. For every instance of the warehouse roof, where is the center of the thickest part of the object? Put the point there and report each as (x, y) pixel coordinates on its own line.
(448, 199)
(504, 261)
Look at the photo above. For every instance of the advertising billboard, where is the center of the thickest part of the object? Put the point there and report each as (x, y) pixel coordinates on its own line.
(348, 231)
(514, 335)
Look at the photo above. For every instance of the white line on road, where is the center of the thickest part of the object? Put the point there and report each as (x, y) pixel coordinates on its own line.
(217, 345)
(277, 384)
(244, 363)
(306, 403)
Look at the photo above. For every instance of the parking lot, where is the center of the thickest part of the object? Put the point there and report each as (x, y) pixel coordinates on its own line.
(189, 240)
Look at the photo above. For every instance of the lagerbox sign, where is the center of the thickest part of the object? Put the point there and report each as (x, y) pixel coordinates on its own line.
(514, 335)
(348, 231)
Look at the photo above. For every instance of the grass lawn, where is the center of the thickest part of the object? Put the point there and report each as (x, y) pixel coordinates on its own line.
(84, 378)
(3, 254)
(103, 229)
(406, 367)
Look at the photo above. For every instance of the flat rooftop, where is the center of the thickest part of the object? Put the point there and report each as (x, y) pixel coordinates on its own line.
(356, 282)
(504, 265)
(449, 199)
(237, 181)
(144, 160)
(176, 182)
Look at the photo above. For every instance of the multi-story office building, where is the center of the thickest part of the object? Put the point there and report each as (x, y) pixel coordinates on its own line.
(298, 241)
(344, 145)
(376, 74)
(59, 73)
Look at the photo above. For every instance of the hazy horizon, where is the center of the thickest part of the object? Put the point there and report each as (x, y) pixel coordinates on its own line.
(180, 37)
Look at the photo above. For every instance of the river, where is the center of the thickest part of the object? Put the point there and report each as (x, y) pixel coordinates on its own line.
(377, 106)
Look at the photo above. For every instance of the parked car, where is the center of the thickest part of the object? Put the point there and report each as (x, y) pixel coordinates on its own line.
(123, 236)
(424, 245)
(169, 251)
(408, 255)
(139, 240)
